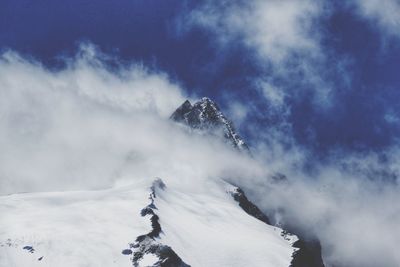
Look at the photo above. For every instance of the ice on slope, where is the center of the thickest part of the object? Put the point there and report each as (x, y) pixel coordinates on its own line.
(91, 228)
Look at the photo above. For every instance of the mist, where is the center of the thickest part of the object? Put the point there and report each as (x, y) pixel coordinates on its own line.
(349, 203)
(88, 126)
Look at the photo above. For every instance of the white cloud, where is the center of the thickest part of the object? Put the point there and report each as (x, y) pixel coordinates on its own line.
(285, 36)
(349, 203)
(275, 28)
(89, 127)
(386, 13)
(275, 95)
(238, 112)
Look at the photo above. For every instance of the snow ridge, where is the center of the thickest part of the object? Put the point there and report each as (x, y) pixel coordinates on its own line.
(148, 244)
(249, 207)
(307, 253)
(205, 115)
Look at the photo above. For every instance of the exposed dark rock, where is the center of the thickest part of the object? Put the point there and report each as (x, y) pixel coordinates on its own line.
(149, 243)
(157, 184)
(148, 210)
(168, 258)
(179, 114)
(308, 255)
(309, 251)
(165, 254)
(279, 178)
(251, 209)
(127, 252)
(206, 116)
(39, 259)
(29, 248)
(156, 229)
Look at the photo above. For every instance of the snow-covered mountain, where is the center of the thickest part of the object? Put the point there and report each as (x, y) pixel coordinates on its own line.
(138, 225)
(150, 222)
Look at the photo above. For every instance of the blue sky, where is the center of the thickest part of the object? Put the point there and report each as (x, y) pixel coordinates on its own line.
(328, 80)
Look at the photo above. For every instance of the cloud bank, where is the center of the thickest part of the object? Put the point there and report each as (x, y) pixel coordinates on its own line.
(348, 201)
(91, 126)
(349, 204)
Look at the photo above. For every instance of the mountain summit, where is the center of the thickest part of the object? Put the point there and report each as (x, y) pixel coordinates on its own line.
(205, 115)
(157, 222)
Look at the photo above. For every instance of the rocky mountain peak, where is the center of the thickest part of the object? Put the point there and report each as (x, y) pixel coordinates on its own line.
(205, 115)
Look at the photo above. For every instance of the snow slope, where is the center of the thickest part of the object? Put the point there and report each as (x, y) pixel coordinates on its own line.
(93, 228)
(168, 222)
(86, 228)
(210, 229)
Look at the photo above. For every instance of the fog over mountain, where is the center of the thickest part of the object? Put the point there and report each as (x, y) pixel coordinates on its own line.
(86, 127)
(229, 133)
